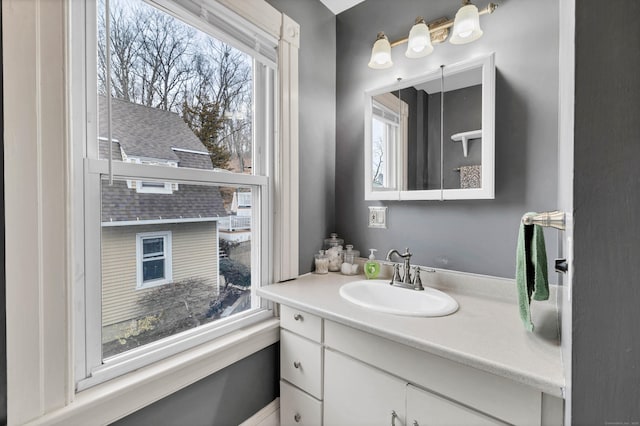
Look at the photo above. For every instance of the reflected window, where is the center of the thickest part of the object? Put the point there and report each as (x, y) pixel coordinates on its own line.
(384, 131)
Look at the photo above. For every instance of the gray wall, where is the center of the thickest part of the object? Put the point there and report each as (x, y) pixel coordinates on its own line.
(227, 397)
(317, 73)
(606, 287)
(473, 236)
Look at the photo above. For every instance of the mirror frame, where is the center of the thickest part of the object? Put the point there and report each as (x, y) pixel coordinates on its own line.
(487, 190)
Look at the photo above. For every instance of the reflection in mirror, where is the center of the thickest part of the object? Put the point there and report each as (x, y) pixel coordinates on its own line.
(422, 165)
(423, 145)
(387, 122)
(462, 145)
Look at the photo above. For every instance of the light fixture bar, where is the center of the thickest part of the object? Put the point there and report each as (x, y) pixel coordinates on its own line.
(440, 25)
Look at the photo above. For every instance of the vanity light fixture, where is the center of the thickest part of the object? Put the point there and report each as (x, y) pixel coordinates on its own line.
(466, 28)
(381, 53)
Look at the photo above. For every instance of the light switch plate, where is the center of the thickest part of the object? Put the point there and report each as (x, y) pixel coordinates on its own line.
(377, 217)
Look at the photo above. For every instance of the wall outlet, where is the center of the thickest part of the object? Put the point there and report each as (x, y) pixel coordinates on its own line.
(377, 217)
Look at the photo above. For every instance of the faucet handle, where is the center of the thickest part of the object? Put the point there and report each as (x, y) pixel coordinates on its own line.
(417, 281)
(396, 273)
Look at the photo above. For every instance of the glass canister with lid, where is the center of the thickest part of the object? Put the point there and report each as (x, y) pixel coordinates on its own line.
(349, 266)
(321, 262)
(333, 249)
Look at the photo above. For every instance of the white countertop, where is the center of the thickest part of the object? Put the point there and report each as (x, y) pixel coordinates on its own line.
(485, 332)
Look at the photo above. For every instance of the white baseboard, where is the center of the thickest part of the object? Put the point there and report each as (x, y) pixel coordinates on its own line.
(267, 416)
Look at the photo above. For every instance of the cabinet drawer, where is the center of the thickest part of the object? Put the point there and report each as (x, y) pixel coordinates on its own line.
(298, 408)
(302, 323)
(301, 363)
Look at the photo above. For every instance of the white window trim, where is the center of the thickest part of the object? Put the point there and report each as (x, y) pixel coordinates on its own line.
(168, 264)
(41, 62)
(167, 188)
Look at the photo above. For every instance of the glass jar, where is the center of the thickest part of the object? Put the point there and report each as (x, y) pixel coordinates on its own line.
(335, 258)
(333, 241)
(333, 247)
(349, 266)
(321, 262)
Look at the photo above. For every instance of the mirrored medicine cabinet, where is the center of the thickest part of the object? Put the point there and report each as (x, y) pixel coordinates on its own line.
(432, 137)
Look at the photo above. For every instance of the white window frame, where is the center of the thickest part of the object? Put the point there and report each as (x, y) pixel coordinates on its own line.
(45, 64)
(91, 367)
(390, 142)
(166, 257)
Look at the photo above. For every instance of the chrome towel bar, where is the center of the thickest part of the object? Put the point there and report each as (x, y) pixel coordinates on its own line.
(554, 219)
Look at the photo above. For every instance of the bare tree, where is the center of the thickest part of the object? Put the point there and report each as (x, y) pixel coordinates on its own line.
(165, 68)
(160, 62)
(378, 161)
(125, 50)
(232, 90)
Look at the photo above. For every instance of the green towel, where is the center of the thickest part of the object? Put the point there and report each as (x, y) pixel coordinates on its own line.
(531, 270)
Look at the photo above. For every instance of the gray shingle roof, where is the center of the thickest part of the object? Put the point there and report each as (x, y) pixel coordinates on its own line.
(119, 203)
(147, 132)
(152, 133)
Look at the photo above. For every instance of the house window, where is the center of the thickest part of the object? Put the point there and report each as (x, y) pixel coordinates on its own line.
(153, 259)
(150, 187)
(190, 110)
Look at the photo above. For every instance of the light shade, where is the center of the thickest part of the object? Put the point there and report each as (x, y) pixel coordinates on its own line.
(381, 53)
(466, 27)
(419, 43)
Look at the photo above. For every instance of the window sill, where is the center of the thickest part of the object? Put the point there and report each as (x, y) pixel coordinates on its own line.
(112, 400)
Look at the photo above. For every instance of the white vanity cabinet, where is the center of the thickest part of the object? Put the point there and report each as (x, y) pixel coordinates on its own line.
(301, 368)
(333, 374)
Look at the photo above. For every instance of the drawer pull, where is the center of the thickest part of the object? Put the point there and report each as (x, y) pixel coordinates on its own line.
(297, 418)
(296, 364)
(298, 317)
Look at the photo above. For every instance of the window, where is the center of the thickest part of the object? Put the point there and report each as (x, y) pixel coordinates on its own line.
(184, 129)
(389, 128)
(149, 186)
(153, 259)
(53, 342)
(384, 132)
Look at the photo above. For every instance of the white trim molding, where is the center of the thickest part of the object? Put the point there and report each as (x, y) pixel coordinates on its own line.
(189, 151)
(36, 207)
(117, 398)
(286, 221)
(160, 221)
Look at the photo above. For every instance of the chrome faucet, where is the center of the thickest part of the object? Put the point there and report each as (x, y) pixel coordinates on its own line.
(406, 280)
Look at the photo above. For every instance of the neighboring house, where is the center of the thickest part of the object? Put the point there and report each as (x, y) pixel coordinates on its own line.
(153, 233)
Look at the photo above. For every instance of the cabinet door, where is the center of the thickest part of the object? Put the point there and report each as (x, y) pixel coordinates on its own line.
(425, 408)
(356, 394)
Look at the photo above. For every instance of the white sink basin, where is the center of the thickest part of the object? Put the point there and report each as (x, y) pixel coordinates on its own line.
(379, 296)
